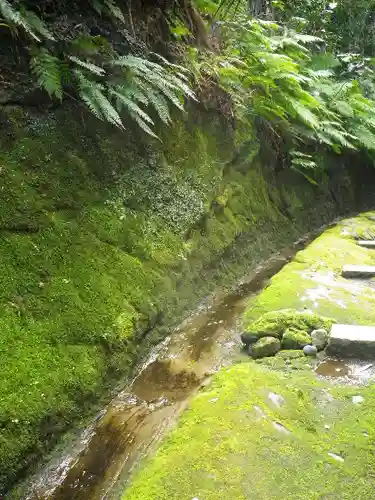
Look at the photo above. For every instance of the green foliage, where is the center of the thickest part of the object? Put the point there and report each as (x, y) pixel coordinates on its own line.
(27, 20)
(47, 69)
(107, 83)
(282, 83)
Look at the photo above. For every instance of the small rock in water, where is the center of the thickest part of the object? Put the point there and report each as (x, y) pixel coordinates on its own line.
(310, 350)
(320, 338)
(336, 457)
(357, 399)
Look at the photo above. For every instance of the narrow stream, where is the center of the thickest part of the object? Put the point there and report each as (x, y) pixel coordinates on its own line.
(99, 464)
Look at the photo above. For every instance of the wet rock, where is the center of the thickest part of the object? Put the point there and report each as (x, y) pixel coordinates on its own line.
(320, 338)
(294, 338)
(310, 350)
(357, 399)
(248, 338)
(267, 346)
(336, 457)
(276, 399)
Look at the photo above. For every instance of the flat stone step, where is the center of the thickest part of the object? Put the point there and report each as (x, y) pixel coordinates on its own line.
(351, 271)
(366, 244)
(352, 341)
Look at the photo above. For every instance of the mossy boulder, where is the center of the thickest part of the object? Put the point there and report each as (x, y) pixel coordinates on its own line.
(320, 338)
(266, 346)
(274, 324)
(293, 338)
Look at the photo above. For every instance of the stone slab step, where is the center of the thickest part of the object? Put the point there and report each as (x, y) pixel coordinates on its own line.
(351, 271)
(352, 341)
(367, 244)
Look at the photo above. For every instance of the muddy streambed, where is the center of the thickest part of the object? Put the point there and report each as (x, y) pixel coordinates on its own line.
(99, 463)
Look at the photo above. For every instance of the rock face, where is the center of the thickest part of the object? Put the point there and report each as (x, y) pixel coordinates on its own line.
(320, 338)
(310, 350)
(248, 338)
(293, 338)
(266, 346)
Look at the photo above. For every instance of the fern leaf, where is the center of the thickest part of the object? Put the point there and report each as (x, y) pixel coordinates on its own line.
(365, 136)
(93, 68)
(130, 105)
(156, 100)
(304, 114)
(36, 24)
(161, 107)
(47, 69)
(343, 108)
(167, 91)
(14, 16)
(92, 95)
(169, 64)
(143, 125)
(115, 10)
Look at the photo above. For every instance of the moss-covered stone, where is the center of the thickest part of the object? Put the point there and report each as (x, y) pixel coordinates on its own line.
(313, 279)
(293, 338)
(274, 323)
(266, 346)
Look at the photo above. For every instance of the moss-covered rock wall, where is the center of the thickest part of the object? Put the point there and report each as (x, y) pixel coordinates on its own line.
(108, 239)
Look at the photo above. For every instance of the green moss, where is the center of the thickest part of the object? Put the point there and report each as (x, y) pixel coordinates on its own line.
(312, 281)
(233, 440)
(293, 338)
(104, 234)
(266, 346)
(274, 323)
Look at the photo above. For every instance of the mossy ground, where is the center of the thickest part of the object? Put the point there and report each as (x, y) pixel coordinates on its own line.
(105, 234)
(312, 281)
(230, 443)
(234, 443)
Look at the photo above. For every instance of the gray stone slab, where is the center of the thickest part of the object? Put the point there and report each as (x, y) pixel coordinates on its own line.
(352, 341)
(367, 244)
(351, 271)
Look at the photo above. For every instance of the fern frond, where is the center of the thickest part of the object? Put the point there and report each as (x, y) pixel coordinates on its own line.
(92, 95)
(156, 100)
(165, 89)
(169, 64)
(47, 69)
(115, 10)
(304, 113)
(123, 101)
(36, 24)
(161, 106)
(93, 68)
(343, 108)
(365, 136)
(143, 125)
(10, 14)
